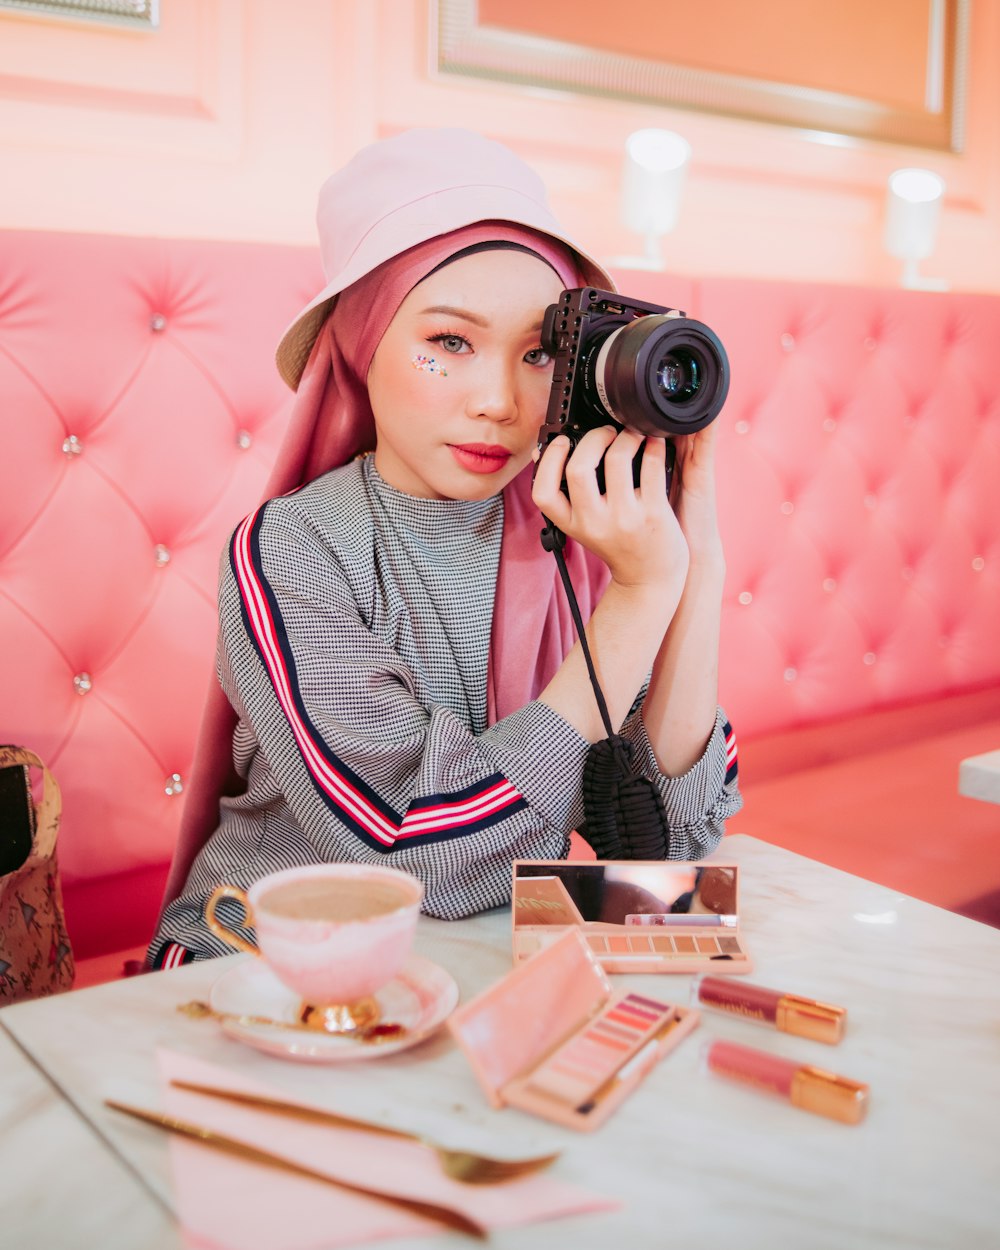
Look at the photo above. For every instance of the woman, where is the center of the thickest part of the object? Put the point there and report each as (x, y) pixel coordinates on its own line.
(401, 680)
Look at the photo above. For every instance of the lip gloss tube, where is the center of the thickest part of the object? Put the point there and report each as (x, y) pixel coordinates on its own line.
(811, 1088)
(791, 1013)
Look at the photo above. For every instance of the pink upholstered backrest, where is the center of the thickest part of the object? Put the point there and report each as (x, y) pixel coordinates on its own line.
(157, 358)
(860, 489)
(860, 468)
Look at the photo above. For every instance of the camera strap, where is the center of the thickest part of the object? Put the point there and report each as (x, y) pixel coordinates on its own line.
(624, 816)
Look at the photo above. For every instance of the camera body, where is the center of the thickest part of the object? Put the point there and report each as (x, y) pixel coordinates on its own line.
(623, 362)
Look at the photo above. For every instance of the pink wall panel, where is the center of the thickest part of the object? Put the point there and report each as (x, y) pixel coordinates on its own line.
(223, 124)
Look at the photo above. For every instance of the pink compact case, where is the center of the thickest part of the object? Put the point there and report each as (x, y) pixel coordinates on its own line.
(552, 1038)
(635, 916)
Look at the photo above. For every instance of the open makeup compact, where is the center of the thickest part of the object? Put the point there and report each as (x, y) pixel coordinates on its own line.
(554, 1038)
(635, 916)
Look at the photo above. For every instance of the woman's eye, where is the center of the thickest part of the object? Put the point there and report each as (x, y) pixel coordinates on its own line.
(538, 356)
(453, 343)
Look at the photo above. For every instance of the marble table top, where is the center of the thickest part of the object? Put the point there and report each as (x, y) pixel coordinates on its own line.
(979, 777)
(693, 1158)
(52, 1164)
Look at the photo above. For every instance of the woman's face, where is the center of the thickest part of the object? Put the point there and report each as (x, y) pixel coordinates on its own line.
(459, 383)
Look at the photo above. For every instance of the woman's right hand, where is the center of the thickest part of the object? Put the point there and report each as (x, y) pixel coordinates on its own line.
(632, 529)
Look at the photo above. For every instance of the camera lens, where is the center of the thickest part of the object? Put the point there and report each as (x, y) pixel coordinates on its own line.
(660, 374)
(678, 375)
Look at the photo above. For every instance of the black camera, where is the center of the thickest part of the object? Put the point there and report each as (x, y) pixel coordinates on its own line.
(619, 361)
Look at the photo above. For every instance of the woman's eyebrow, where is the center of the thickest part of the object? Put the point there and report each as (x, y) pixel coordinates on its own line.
(449, 310)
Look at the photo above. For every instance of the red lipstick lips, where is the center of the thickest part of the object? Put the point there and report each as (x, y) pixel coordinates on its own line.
(480, 457)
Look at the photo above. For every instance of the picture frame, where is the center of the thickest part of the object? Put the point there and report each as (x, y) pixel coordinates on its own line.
(908, 87)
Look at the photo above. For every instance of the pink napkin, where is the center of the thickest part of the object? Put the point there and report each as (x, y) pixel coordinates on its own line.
(225, 1203)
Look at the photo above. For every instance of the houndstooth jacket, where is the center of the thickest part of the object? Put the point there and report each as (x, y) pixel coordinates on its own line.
(355, 630)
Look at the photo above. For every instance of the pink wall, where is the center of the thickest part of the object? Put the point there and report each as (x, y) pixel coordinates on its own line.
(223, 124)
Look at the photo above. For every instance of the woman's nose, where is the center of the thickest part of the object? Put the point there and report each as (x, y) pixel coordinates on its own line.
(493, 395)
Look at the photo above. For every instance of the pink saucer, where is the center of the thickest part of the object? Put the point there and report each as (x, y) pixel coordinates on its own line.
(421, 998)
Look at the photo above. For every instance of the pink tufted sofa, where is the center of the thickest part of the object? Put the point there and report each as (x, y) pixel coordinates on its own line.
(139, 410)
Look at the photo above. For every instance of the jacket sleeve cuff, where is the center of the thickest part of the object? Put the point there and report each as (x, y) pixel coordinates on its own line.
(695, 793)
(543, 756)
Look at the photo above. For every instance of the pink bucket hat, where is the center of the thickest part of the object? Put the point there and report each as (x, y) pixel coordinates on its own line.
(452, 177)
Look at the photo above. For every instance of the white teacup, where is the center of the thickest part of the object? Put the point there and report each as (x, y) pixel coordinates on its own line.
(333, 933)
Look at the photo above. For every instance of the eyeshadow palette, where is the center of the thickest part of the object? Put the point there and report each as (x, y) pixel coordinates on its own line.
(553, 1038)
(634, 916)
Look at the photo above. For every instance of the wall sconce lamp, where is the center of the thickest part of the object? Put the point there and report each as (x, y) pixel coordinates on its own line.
(652, 180)
(912, 212)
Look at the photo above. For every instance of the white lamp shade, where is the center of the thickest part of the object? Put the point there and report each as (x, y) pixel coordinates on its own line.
(913, 207)
(653, 178)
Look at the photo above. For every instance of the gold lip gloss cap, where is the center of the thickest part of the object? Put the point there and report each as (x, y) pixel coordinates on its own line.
(825, 1093)
(820, 1022)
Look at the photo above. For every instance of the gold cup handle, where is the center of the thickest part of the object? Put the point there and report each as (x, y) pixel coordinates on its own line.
(216, 925)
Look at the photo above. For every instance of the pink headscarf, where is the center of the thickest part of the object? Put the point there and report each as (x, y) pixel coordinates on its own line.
(331, 423)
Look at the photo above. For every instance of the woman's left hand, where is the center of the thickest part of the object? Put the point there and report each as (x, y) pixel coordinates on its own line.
(693, 493)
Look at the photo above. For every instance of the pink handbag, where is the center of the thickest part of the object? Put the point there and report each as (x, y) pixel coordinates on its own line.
(35, 953)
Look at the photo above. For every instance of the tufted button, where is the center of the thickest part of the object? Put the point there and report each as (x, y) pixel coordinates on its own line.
(161, 555)
(244, 439)
(787, 342)
(83, 683)
(745, 597)
(157, 323)
(906, 573)
(978, 564)
(174, 785)
(870, 343)
(869, 658)
(742, 427)
(787, 508)
(790, 674)
(830, 424)
(72, 446)
(871, 501)
(829, 584)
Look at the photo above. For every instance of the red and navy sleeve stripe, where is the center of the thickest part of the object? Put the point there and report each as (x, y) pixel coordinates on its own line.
(732, 763)
(428, 819)
(172, 955)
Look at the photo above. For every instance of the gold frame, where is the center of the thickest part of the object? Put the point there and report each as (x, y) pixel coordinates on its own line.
(461, 47)
(133, 14)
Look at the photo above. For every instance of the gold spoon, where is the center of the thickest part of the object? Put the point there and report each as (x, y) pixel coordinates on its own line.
(460, 1165)
(373, 1035)
(449, 1216)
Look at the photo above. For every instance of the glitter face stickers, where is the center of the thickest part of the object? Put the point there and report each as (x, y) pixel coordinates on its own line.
(429, 364)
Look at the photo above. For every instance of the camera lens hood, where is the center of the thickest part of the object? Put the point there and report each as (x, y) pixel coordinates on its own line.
(663, 374)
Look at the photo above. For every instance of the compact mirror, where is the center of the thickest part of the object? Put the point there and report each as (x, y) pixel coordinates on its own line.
(638, 916)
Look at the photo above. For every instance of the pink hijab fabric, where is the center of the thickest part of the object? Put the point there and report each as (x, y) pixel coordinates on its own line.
(330, 424)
